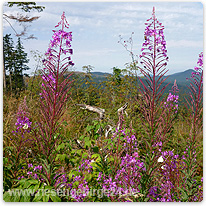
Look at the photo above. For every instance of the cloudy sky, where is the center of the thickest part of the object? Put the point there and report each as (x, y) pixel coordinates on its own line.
(96, 27)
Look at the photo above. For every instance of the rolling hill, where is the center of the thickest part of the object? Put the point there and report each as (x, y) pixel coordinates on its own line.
(180, 77)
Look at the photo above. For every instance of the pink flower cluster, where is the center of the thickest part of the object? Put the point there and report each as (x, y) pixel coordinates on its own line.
(23, 123)
(200, 62)
(172, 101)
(199, 68)
(127, 178)
(172, 98)
(154, 39)
(84, 169)
(60, 39)
(32, 172)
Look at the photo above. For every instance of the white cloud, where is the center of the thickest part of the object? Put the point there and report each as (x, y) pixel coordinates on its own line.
(95, 52)
(184, 43)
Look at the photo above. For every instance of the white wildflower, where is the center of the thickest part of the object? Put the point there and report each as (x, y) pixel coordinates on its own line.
(160, 159)
(25, 126)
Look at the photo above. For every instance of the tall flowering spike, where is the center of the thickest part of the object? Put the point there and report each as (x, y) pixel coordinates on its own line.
(21, 135)
(23, 121)
(154, 53)
(198, 70)
(55, 84)
(195, 99)
(175, 87)
(154, 60)
(195, 123)
(200, 63)
(60, 39)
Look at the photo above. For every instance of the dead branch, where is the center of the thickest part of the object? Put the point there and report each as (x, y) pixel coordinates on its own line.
(21, 18)
(120, 113)
(122, 109)
(108, 130)
(93, 109)
(101, 113)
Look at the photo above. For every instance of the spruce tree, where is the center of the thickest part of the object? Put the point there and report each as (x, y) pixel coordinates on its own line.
(9, 57)
(21, 61)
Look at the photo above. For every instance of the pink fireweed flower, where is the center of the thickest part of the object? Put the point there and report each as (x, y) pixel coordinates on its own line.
(23, 121)
(29, 173)
(59, 40)
(200, 60)
(30, 165)
(172, 99)
(123, 180)
(198, 69)
(56, 83)
(154, 38)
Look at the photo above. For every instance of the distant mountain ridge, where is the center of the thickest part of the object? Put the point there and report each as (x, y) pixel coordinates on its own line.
(101, 74)
(179, 76)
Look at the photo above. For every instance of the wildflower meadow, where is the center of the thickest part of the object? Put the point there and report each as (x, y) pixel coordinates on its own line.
(130, 138)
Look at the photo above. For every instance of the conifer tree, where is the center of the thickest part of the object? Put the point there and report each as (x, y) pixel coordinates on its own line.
(8, 53)
(21, 61)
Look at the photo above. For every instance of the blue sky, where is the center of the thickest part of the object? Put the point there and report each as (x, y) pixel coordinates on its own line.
(96, 27)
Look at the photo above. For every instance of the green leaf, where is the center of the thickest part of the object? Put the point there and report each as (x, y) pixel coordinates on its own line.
(96, 157)
(25, 198)
(16, 198)
(22, 182)
(81, 137)
(7, 197)
(33, 181)
(96, 136)
(109, 147)
(108, 141)
(72, 161)
(121, 137)
(38, 197)
(87, 142)
(95, 149)
(61, 146)
(61, 157)
(89, 127)
(85, 155)
(26, 185)
(74, 172)
(48, 187)
(97, 127)
(5, 160)
(55, 198)
(95, 122)
(184, 194)
(46, 198)
(79, 152)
